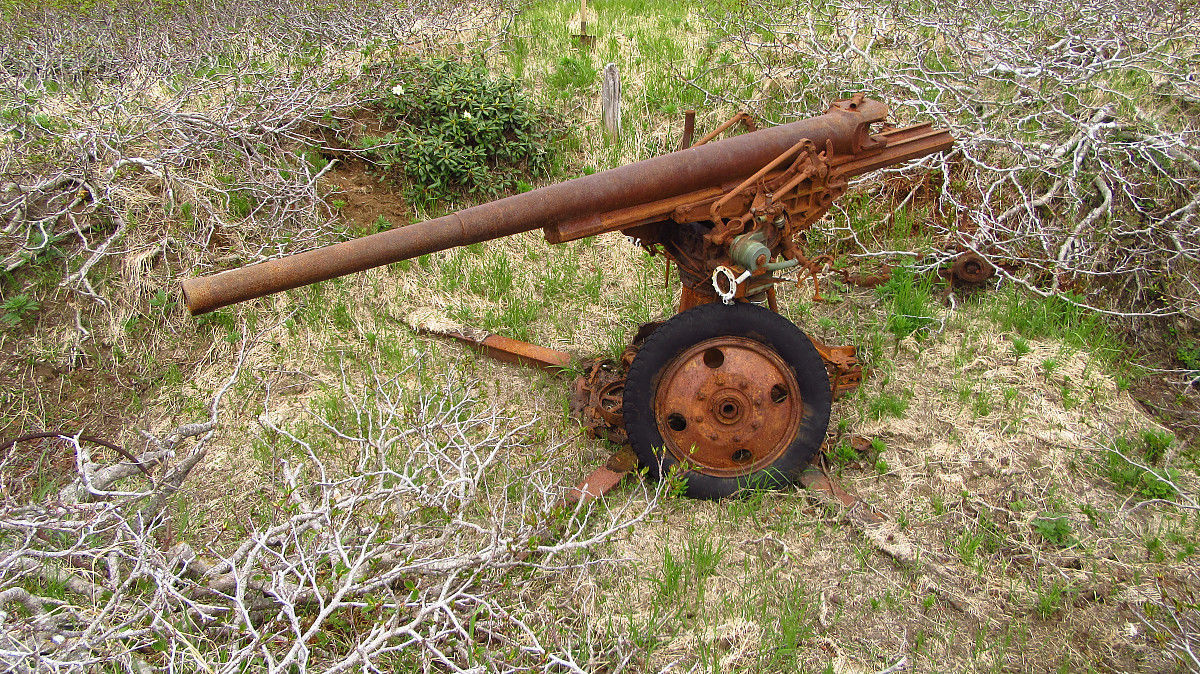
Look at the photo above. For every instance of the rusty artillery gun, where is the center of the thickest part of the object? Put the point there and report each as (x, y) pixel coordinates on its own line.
(728, 390)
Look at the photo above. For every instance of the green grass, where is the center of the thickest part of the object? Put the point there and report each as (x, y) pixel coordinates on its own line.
(1034, 317)
(889, 404)
(1146, 448)
(909, 297)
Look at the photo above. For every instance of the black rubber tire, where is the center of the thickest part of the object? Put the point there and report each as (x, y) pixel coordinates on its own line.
(708, 321)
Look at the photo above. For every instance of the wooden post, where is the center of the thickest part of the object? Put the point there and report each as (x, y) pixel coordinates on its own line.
(610, 101)
(584, 39)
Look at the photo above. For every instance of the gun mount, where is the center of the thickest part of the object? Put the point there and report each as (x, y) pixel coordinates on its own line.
(732, 392)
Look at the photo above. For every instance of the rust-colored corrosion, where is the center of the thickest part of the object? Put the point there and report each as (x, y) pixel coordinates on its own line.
(730, 421)
(841, 362)
(513, 351)
(654, 190)
(816, 480)
(604, 479)
(971, 268)
(689, 129)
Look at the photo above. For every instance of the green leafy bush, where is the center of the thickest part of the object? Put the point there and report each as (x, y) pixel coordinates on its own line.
(460, 131)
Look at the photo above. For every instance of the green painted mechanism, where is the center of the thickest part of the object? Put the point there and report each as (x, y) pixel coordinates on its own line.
(751, 253)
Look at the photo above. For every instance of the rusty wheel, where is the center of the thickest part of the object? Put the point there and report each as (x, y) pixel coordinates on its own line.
(735, 395)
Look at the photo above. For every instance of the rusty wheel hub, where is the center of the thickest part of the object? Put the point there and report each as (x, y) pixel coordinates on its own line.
(728, 406)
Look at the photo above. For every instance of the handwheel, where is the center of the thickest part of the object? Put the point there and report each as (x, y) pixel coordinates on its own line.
(735, 395)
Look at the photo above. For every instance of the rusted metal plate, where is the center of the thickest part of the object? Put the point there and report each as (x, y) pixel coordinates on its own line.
(841, 362)
(730, 406)
(512, 350)
(816, 480)
(600, 482)
(604, 479)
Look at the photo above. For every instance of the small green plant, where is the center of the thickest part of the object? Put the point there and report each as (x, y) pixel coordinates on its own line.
(1049, 366)
(1154, 549)
(704, 555)
(982, 405)
(843, 454)
(1189, 354)
(1020, 347)
(966, 545)
(16, 308)
(1156, 444)
(1049, 599)
(162, 300)
(888, 404)
(1055, 529)
(676, 481)
(240, 204)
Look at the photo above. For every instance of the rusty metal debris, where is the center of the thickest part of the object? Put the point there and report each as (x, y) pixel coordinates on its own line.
(971, 268)
(845, 372)
(730, 215)
(512, 350)
(604, 479)
(867, 280)
(819, 481)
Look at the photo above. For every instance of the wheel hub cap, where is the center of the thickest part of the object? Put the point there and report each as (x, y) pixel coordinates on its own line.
(728, 406)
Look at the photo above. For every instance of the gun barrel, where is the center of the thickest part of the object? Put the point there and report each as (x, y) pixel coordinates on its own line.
(844, 127)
